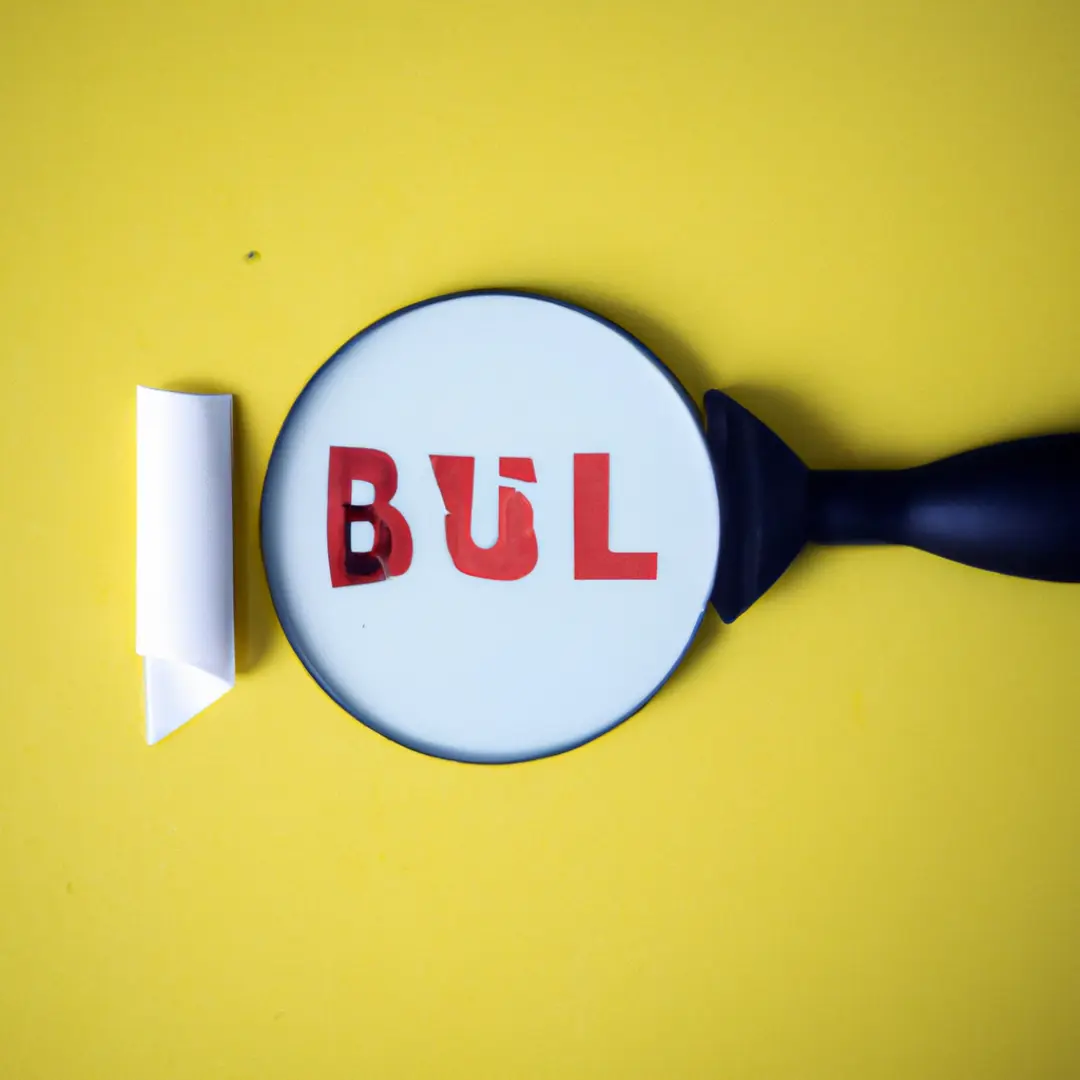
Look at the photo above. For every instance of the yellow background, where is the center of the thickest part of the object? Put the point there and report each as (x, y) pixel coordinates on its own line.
(843, 842)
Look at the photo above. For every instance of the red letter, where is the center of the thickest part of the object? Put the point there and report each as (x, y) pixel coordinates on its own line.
(592, 505)
(514, 554)
(391, 554)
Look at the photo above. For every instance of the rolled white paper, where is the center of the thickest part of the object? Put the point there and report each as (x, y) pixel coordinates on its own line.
(184, 554)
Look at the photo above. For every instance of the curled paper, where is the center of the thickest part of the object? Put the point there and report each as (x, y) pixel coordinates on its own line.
(184, 554)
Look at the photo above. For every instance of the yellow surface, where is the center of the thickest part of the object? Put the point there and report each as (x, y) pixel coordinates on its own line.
(843, 841)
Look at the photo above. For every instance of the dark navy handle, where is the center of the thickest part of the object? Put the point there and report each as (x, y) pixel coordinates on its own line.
(1013, 508)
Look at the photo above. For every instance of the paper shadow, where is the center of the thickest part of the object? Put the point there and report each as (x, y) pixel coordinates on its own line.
(254, 613)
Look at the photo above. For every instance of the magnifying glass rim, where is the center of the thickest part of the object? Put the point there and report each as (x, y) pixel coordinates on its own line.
(287, 624)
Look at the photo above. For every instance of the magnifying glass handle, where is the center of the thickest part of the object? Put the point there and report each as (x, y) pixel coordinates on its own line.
(1013, 508)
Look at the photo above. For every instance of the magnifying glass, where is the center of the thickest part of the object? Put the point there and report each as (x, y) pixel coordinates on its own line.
(492, 522)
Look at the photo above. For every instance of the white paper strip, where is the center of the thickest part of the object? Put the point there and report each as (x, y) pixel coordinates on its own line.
(184, 554)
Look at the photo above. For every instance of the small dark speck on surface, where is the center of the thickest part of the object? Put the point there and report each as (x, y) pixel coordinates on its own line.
(278, 1015)
(253, 256)
(71, 888)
